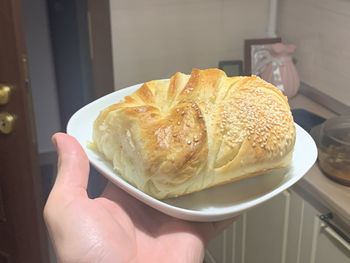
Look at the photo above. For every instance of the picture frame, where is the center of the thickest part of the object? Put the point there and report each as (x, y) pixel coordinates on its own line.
(232, 67)
(248, 44)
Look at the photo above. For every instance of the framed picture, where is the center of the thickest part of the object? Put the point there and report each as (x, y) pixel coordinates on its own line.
(251, 46)
(232, 67)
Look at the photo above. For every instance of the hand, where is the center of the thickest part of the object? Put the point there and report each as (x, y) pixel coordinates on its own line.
(114, 227)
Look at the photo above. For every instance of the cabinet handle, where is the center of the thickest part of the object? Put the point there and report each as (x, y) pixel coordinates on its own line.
(334, 231)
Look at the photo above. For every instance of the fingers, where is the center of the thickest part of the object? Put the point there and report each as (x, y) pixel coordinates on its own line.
(123, 199)
(73, 165)
(113, 193)
(135, 209)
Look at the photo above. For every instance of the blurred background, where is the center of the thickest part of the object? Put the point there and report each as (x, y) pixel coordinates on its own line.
(80, 50)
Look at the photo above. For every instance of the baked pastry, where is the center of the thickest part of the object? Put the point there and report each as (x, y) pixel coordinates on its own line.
(177, 136)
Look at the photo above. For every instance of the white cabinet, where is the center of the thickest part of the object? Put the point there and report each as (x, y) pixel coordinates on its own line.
(327, 249)
(265, 231)
(327, 246)
(285, 229)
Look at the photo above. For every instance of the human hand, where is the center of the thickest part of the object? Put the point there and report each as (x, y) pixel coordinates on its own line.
(114, 227)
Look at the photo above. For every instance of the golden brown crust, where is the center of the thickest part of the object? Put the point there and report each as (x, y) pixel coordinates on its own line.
(177, 136)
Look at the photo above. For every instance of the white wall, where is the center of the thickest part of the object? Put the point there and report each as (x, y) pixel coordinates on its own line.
(41, 71)
(153, 39)
(321, 31)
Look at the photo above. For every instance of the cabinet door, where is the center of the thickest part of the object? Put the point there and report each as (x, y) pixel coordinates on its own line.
(266, 231)
(295, 229)
(316, 244)
(285, 229)
(260, 235)
(227, 247)
(330, 249)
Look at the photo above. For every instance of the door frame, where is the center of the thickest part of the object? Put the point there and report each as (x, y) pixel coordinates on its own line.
(22, 221)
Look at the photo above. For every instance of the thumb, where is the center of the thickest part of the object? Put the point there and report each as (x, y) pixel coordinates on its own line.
(73, 165)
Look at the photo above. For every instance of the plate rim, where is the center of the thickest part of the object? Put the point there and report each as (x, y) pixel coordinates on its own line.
(160, 205)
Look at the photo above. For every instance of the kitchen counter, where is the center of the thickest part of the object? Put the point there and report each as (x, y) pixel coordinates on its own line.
(334, 196)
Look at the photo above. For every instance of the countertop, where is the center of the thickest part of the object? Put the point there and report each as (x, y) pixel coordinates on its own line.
(334, 196)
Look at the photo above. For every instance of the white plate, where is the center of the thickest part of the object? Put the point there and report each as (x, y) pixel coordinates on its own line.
(212, 204)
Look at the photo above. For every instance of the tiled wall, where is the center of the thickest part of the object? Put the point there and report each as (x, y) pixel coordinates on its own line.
(154, 38)
(321, 31)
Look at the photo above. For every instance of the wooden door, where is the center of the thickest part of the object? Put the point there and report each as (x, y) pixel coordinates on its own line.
(22, 232)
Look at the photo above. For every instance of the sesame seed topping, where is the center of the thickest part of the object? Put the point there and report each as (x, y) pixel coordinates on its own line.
(262, 119)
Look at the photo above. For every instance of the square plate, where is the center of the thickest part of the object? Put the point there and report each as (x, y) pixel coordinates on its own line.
(212, 204)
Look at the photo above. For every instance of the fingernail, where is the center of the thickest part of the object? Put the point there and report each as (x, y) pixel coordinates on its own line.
(54, 142)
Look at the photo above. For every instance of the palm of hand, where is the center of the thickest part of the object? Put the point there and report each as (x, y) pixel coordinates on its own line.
(114, 227)
(106, 230)
(103, 230)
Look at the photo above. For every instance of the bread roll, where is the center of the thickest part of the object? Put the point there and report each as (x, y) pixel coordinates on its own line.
(178, 136)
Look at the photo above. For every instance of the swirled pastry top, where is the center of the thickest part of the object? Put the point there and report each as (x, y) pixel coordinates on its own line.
(177, 136)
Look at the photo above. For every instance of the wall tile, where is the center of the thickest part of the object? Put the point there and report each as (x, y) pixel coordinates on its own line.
(242, 20)
(155, 42)
(140, 4)
(153, 39)
(320, 29)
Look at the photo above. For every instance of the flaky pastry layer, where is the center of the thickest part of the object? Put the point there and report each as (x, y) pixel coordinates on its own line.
(191, 132)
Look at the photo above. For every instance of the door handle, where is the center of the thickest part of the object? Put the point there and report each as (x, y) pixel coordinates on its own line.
(5, 93)
(334, 231)
(7, 122)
